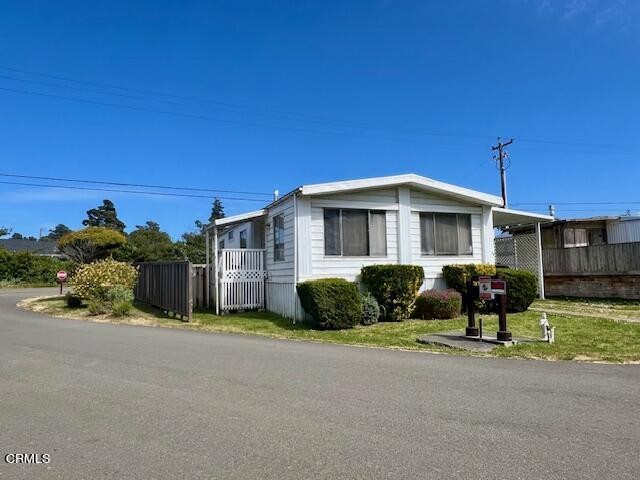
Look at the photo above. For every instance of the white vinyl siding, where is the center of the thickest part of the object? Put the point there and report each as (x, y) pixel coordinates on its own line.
(280, 271)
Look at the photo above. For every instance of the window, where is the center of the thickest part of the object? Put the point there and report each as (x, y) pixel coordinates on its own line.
(278, 238)
(575, 237)
(445, 234)
(243, 239)
(355, 233)
(230, 234)
(221, 244)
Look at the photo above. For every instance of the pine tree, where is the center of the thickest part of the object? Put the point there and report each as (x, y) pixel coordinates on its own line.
(104, 215)
(217, 210)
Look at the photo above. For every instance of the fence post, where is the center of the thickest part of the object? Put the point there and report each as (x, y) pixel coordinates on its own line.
(540, 264)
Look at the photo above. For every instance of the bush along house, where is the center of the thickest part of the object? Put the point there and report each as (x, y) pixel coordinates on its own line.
(331, 230)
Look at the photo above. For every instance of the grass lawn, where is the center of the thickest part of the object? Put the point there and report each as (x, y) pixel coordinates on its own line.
(579, 334)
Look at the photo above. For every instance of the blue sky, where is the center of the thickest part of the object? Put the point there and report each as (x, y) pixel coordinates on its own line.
(286, 93)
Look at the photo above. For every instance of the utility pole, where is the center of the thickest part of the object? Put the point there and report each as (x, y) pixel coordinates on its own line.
(501, 166)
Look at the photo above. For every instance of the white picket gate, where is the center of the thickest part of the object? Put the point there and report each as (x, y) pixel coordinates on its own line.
(241, 273)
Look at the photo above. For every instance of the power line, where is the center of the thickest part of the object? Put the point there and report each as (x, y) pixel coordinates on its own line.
(288, 115)
(227, 121)
(202, 102)
(121, 184)
(162, 194)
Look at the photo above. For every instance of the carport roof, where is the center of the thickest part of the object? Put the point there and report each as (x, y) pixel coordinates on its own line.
(503, 217)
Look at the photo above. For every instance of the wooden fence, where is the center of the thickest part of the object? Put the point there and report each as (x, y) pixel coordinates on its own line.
(614, 259)
(166, 285)
(199, 288)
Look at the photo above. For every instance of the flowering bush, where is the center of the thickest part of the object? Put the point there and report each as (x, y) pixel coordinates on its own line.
(438, 304)
(95, 280)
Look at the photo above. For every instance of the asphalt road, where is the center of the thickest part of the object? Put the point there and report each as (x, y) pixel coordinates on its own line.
(120, 402)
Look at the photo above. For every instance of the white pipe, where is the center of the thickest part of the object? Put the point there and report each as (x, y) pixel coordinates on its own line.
(215, 267)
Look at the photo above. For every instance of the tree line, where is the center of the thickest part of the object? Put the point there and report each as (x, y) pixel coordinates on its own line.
(104, 235)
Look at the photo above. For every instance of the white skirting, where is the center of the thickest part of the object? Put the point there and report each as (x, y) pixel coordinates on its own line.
(282, 298)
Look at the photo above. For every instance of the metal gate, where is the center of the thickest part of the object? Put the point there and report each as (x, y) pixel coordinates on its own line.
(241, 273)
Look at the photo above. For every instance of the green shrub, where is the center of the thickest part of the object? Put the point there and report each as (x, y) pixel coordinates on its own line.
(370, 310)
(333, 303)
(395, 287)
(97, 306)
(457, 275)
(73, 301)
(18, 268)
(120, 293)
(95, 280)
(121, 308)
(438, 304)
(522, 288)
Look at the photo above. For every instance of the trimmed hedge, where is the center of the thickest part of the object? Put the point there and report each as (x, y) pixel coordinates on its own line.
(522, 288)
(457, 275)
(26, 268)
(438, 304)
(395, 287)
(333, 303)
(370, 310)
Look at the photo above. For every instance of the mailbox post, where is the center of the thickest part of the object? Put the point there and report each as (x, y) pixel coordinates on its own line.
(488, 289)
(472, 329)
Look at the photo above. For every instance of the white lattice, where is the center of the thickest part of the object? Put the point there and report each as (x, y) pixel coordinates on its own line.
(242, 277)
(519, 252)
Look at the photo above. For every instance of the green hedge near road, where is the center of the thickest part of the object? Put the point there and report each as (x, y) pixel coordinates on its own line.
(24, 268)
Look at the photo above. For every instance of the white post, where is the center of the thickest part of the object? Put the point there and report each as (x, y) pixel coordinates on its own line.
(215, 267)
(540, 265)
(404, 225)
(295, 256)
(207, 267)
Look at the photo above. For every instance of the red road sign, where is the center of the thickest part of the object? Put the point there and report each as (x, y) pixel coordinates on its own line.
(62, 276)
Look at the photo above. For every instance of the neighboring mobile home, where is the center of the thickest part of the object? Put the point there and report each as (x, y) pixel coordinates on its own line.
(334, 229)
(587, 232)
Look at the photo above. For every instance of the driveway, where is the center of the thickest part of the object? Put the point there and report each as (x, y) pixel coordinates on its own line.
(124, 402)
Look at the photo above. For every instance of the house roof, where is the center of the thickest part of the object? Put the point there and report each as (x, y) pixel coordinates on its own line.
(243, 217)
(501, 216)
(411, 179)
(42, 247)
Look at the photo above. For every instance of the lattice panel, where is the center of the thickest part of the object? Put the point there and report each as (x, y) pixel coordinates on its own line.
(519, 252)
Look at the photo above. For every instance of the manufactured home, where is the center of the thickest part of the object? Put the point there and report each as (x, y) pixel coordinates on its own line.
(334, 229)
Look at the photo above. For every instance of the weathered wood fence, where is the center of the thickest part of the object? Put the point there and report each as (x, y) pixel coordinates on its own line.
(166, 285)
(199, 288)
(619, 258)
(606, 271)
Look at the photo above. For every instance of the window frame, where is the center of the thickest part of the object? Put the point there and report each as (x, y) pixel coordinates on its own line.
(221, 244)
(242, 237)
(230, 235)
(276, 249)
(435, 246)
(341, 233)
